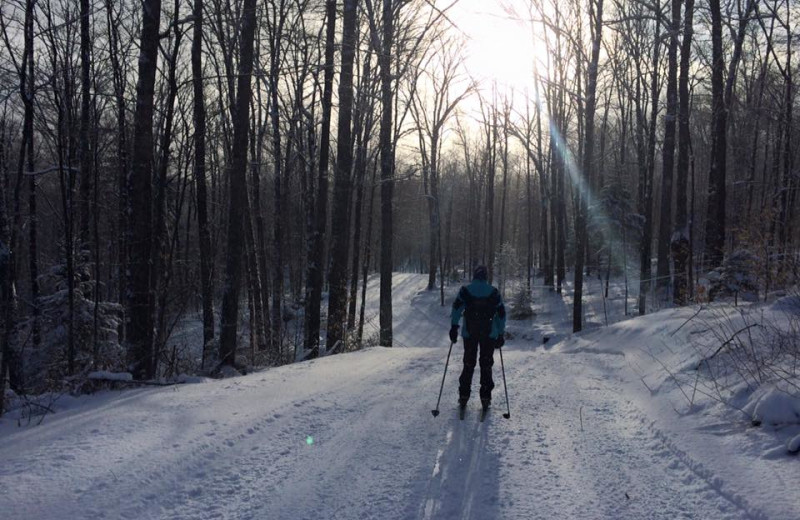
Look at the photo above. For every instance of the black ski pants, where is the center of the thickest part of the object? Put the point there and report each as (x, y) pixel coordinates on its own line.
(471, 345)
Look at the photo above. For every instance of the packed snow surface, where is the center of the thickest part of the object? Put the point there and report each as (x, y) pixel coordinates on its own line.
(597, 430)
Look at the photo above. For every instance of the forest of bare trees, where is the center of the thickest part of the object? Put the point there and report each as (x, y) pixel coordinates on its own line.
(250, 165)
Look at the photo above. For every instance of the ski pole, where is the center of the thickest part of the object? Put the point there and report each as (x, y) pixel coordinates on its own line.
(503, 367)
(436, 411)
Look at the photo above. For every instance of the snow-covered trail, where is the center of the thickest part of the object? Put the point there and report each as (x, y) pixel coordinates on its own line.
(351, 437)
(576, 447)
(589, 451)
(417, 318)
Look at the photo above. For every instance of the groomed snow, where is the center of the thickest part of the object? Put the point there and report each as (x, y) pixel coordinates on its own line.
(598, 429)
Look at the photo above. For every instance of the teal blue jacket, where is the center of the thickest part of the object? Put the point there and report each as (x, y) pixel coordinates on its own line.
(480, 289)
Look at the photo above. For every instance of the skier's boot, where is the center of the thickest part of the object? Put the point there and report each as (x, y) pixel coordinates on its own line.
(462, 407)
(485, 403)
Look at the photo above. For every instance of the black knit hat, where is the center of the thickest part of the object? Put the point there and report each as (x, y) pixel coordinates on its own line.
(480, 273)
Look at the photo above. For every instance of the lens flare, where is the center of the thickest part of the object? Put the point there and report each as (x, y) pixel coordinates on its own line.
(580, 183)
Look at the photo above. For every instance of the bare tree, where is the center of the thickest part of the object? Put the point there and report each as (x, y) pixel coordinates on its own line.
(680, 237)
(316, 255)
(596, 18)
(340, 231)
(140, 298)
(387, 169)
(432, 110)
(238, 189)
(721, 97)
(668, 154)
(204, 235)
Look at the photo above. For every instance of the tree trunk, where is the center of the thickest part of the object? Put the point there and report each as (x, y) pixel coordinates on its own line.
(668, 156)
(715, 216)
(122, 155)
(160, 214)
(387, 174)
(433, 210)
(10, 365)
(367, 255)
(316, 255)
(204, 236)
(680, 236)
(363, 130)
(279, 17)
(140, 299)
(33, 219)
(721, 94)
(504, 194)
(259, 334)
(5, 256)
(786, 184)
(490, 244)
(340, 230)
(647, 164)
(560, 217)
(85, 153)
(596, 15)
(546, 201)
(237, 190)
(257, 147)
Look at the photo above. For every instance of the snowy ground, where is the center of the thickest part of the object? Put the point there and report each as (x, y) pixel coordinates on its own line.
(598, 430)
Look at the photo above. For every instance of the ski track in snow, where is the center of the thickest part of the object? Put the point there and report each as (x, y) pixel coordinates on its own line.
(578, 445)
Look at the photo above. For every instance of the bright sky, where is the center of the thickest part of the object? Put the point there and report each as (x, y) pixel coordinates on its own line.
(499, 47)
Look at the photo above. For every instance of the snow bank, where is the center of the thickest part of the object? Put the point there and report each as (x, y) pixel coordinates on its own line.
(794, 445)
(774, 407)
(789, 303)
(110, 376)
(188, 379)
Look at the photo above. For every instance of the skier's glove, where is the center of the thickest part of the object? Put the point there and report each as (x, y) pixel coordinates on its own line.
(453, 333)
(500, 341)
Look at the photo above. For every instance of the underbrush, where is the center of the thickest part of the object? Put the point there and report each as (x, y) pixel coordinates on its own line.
(748, 359)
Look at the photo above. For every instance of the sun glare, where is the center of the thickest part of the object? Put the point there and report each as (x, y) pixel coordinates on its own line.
(499, 47)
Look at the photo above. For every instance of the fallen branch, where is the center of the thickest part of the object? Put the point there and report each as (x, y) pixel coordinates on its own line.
(687, 321)
(137, 381)
(725, 344)
(671, 374)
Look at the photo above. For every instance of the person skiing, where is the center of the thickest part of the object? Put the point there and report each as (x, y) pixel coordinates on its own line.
(484, 327)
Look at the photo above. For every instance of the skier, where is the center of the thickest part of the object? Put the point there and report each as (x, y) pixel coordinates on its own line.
(485, 323)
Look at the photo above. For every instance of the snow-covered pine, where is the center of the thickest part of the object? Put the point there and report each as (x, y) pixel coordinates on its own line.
(46, 368)
(521, 301)
(736, 277)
